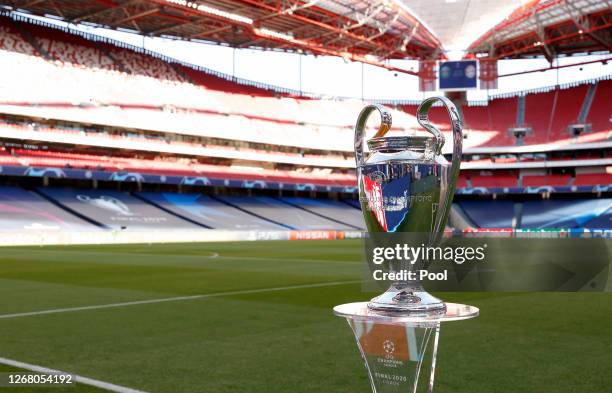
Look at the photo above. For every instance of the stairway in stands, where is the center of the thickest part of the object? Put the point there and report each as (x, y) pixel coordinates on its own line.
(586, 104)
(520, 111)
(25, 34)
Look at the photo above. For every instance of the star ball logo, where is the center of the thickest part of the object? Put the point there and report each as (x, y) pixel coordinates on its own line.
(470, 71)
(389, 348)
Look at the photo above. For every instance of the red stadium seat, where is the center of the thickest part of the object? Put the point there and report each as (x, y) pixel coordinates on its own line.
(592, 179)
(566, 111)
(600, 114)
(546, 180)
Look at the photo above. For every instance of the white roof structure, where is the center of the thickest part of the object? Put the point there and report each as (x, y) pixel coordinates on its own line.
(458, 23)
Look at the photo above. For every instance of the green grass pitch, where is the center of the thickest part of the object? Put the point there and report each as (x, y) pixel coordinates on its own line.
(284, 340)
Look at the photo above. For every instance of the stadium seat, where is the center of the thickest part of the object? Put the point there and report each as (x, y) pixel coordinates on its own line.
(600, 114)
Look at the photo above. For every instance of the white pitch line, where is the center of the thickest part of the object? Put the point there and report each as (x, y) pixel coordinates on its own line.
(174, 299)
(77, 378)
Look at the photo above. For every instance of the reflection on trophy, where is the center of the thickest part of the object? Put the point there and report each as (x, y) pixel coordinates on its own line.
(406, 188)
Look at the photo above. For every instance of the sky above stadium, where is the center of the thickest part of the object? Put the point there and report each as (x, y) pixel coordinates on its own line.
(334, 76)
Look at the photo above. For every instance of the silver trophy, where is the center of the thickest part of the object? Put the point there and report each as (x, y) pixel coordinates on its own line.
(406, 187)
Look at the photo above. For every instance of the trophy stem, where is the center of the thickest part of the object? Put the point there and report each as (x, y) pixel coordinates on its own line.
(407, 297)
(424, 343)
(434, 356)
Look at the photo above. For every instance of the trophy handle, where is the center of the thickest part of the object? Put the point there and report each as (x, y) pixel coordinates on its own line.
(448, 187)
(385, 126)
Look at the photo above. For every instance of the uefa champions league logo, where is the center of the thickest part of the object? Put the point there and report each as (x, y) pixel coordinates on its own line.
(389, 348)
(106, 203)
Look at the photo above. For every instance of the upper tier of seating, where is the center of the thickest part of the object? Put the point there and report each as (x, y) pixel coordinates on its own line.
(548, 114)
(150, 143)
(51, 67)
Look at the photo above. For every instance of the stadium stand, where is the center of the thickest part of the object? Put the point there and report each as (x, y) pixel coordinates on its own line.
(538, 114)
(566, 110)
(547, 113)
(148, 143)
(298, 140)
(115, 210)
(208, 211)
(25, 210)
(587, 179)
(249, 212)
(71, 49)
(477, 117)
(603, 221)
(50, 160)
(503, 116)
(562, 213)
(489, 214)
(462, 181)
(353, 202)
(11, 41)
(85, 209)
(333, 210)
(6, 158)
(220, 84)
(550, 180)
(600, 113)
(151, 143)
(279, 212)
(486, 125)
(490, 179)
(592, 213)
(166, 166)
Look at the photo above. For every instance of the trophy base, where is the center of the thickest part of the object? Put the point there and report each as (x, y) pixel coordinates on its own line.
(402, 298)
(400, 350)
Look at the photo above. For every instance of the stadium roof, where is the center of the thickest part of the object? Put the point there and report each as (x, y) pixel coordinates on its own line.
(457, 23)
(550, 27)
(370, 31)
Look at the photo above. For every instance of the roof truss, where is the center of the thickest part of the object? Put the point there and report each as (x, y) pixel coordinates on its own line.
(549, 28)
(371, 31)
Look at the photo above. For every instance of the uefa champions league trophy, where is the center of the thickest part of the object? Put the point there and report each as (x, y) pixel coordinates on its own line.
(406, 188)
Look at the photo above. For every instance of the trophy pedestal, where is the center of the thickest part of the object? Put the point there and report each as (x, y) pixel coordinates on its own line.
(400, 349)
